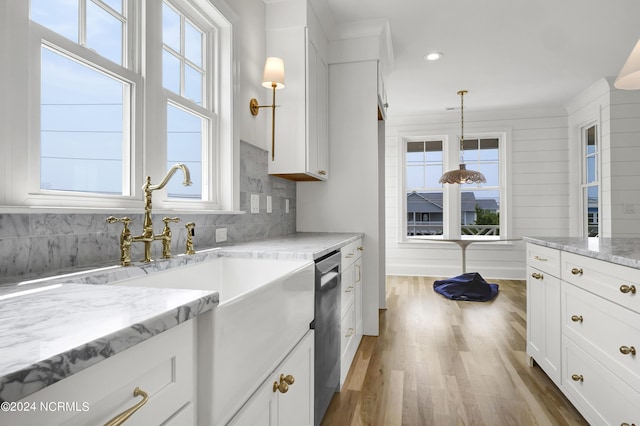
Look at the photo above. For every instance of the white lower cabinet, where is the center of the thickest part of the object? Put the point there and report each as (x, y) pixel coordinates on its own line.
(285, 398)
(598, 328)
(543, 310)
(351, 305)
(162, 367)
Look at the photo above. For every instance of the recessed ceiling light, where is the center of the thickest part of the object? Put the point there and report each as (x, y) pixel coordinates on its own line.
(433, 56)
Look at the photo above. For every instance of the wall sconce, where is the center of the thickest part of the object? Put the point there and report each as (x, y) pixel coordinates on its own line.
(629, 77)
(274, 78)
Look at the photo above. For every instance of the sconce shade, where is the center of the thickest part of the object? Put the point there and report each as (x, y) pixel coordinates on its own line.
(273, 73)
(629, 77)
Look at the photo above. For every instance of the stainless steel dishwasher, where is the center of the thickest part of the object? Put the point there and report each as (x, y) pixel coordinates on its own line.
(327, 332)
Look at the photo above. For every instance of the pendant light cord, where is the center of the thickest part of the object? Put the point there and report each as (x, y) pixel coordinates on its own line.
(461, 93)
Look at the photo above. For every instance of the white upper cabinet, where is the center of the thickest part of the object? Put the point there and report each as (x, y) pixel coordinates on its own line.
(301, 126)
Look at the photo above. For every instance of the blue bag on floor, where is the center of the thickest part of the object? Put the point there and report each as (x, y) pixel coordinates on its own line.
(470, 286)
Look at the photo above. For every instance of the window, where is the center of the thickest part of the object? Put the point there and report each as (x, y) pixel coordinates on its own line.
(85, 104)
(113, 96)
(480, 203)
(184, 73)
(424, 193)
(590, 181)
(433, 209)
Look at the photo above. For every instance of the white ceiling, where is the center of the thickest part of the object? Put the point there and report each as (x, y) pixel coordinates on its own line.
(506, 53)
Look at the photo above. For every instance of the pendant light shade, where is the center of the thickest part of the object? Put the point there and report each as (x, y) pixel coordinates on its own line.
(462, 175)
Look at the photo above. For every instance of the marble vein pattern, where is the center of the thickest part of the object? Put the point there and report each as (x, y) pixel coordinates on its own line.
(621, 251)
(60, 329)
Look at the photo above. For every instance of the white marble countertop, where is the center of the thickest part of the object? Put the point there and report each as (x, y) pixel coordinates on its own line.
(622, 251)
(54, 327)
(51, 331)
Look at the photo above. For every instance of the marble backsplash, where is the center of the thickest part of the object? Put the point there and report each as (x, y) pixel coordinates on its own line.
(39, 243)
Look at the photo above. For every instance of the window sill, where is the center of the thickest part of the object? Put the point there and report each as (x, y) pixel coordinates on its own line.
(108, 210)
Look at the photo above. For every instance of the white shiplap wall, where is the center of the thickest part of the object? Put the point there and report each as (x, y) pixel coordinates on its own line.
(538, 176)
(617, 113)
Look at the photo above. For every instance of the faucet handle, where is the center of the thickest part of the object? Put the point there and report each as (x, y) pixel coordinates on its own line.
(125, 239)
(191, 232)
(168, 220)
(125, 220)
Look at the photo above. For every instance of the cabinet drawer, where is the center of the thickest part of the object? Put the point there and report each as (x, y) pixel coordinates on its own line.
(544, 258)
(162, 366)
(350, 253)
(347, 330)
(347, 285)
(620, 284)
(599, 395)
(603, 329)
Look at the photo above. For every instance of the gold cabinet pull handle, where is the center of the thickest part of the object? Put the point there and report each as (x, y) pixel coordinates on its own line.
(576, 271)
(577, 378)
(626, 350)
(537, 276)
(359, 273)
(628, 289)
(322, 172)
(285, 382)
(349, 289)
(627, 424)
(124, 416)
(360, 248)
(576, 318)
(350, 332)
(541, 259)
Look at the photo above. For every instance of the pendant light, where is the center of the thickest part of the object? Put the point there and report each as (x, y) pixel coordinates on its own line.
(462, 175)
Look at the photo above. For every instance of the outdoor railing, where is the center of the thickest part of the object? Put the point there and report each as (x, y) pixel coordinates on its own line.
(435, 228)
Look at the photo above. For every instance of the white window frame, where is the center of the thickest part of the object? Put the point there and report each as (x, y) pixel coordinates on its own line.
(20, 128)
(451, 192)
(584, 202)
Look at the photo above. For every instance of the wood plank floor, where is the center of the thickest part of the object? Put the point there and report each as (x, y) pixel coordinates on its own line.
(442, 362)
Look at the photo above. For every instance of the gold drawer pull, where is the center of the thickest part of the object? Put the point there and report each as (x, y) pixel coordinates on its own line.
(537, 276)
(285, 382)
(626, 350)
(348, 289)
(628, 289)
(576, 271)
(577, 378)
(350, 332)
(360, 248)
(576, 318)
(627, 424)
(541, 259)
(124, 416)
(322, 172)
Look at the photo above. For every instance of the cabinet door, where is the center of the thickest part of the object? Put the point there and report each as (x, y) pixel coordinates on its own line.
(295, 407)
(322, 82)
(269, 406)
(261, 409)
(544, 321)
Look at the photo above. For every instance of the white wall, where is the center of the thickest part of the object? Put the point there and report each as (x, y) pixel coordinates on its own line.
(538, 177)
(250, 46)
